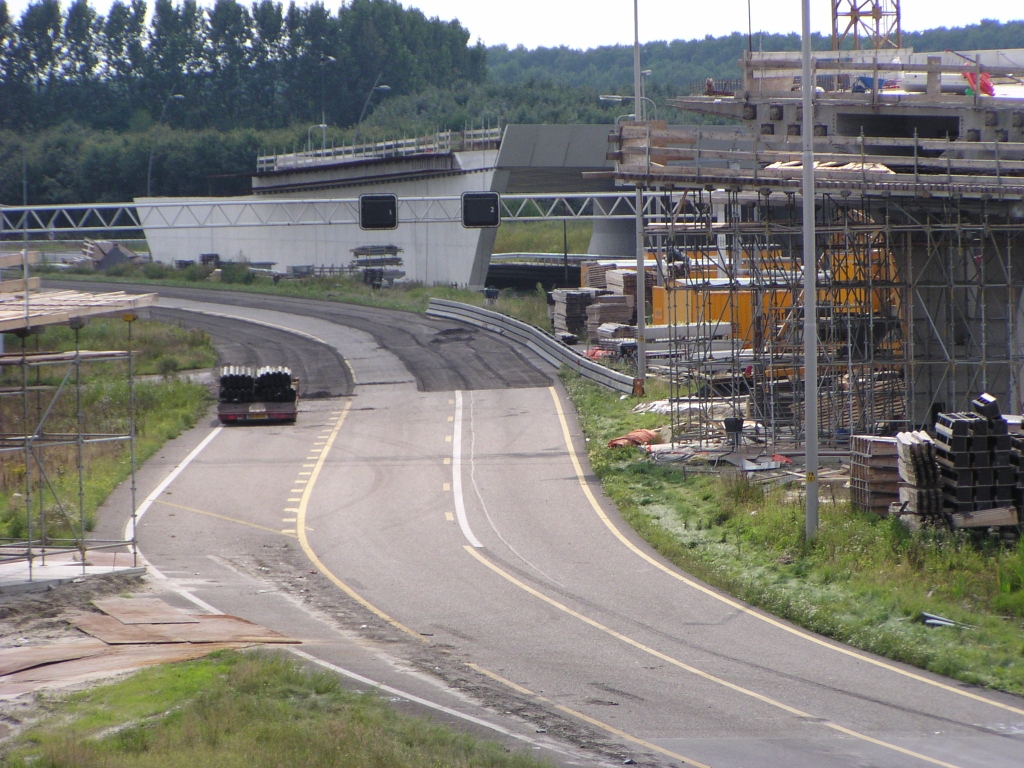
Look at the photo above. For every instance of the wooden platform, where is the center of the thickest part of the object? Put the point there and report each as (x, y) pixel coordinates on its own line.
(44, 308)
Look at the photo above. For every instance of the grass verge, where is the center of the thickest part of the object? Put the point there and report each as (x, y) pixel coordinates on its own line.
(246, 710)
(165, 407)
(411, 297)
(863, 580)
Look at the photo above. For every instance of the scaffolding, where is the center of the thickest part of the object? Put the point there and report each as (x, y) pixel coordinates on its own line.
(919, 310)
(44, 426)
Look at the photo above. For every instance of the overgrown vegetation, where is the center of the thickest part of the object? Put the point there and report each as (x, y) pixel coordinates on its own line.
(165, 407)
(543, 237)
(251, 710)
(863, 580)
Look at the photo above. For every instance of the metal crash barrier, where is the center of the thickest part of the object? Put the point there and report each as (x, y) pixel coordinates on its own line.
(537, 340)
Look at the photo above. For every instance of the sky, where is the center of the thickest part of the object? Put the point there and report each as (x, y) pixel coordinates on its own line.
(590, 23)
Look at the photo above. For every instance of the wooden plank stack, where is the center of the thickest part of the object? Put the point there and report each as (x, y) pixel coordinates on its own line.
(608, 308)
(623, 281)
(571, 309)
(874, 472)
(595, 274)
(920, 491)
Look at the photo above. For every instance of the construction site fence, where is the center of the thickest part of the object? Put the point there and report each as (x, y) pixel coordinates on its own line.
(543, 344)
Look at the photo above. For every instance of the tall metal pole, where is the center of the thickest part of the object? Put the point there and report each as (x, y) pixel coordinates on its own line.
(810, 287)
(641, 278)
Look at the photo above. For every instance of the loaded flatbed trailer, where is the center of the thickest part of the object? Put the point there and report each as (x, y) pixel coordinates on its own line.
(260, 410)
(236, 413)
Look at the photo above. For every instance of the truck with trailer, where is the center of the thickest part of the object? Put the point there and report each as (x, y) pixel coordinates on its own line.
(267, 394)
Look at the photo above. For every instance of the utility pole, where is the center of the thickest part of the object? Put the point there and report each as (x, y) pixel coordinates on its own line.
(641, 277)
(810, 287)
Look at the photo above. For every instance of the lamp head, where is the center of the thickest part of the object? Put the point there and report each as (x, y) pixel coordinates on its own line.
(610, 98)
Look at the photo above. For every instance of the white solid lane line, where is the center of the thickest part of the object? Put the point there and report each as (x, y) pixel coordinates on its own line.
(130, 526)
(460, 505)
(423, 702)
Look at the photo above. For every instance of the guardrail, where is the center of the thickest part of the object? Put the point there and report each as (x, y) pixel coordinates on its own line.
(537, 340)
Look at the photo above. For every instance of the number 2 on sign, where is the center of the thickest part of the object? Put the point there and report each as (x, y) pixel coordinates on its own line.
(811, 477)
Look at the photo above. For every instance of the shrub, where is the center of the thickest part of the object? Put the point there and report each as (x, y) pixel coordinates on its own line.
(154, 270)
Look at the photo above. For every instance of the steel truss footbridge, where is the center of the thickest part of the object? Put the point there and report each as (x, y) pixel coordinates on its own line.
(94, 219)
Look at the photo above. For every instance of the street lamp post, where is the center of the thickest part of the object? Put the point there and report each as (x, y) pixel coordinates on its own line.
(378, 87)
(163, 112)
(613, 98)
(324, 59)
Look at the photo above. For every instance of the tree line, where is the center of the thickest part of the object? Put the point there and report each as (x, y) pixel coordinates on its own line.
(78, 120)
(261, 66)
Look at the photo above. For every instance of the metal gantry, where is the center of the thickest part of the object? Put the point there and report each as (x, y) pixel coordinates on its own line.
(39, 221)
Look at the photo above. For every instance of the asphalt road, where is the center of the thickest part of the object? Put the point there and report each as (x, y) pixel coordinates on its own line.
(455, 531)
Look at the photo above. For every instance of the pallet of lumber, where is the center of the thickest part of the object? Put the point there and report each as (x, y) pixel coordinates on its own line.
(571, 309)
(594, 274)
(608, 308)
(874, 472)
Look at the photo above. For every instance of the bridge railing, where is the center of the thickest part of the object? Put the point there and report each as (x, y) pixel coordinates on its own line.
(543, 344)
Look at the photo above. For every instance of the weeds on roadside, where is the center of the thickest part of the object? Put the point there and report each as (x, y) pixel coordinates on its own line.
(163, 410)
(245, 710)
(863, 579)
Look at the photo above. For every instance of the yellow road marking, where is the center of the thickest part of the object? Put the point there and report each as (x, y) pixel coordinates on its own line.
(288, 519)
(451, 418)
(300, 480)
(447, 438)
(449, 517)
(734, 604)
(291, 509)
(585, 718)
(304, 473)
(446, 487)
(288, 530)
(693, 670)
(447, 460)
(219, 517)
(296, 499)
(316, 561)
(304, 466)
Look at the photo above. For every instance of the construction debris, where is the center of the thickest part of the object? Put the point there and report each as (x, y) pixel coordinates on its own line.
(636, 437)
